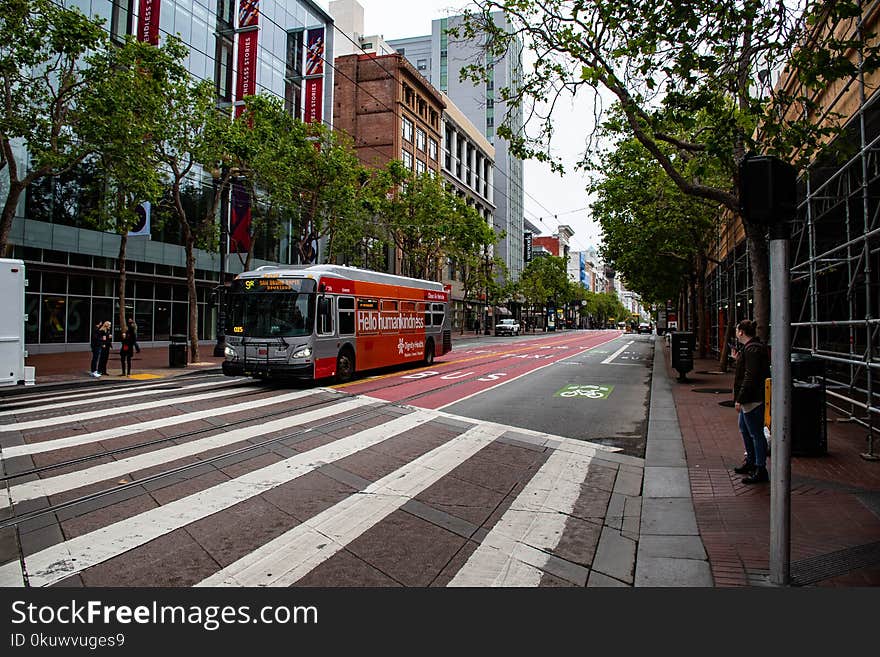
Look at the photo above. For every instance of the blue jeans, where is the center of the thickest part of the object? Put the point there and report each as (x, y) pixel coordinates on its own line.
(96, 355)
(751, 426)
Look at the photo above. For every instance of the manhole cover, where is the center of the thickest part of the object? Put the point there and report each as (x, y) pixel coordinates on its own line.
(712, 391)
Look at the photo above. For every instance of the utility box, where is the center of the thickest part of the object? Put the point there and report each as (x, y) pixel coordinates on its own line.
(682, 346)
(12, 320)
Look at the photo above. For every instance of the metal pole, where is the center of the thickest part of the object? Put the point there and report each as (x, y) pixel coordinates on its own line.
(780, 406)
(220, 347)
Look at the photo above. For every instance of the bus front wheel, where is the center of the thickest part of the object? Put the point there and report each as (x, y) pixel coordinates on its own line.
(345, 366)
(429, 352)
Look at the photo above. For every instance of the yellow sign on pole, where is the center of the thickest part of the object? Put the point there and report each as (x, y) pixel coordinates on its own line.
(768, 389)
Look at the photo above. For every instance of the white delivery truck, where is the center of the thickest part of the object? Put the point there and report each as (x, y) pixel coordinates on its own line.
(12, 321)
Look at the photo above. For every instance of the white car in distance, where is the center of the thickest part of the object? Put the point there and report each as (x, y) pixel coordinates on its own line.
(507, 327)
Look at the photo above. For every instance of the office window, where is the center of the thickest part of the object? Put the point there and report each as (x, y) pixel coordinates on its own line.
(121, 20)
(420, 167)
(407, 130)
(223, 69)
(432, 149)
(420, 139)
(407, 159)
(421, 64)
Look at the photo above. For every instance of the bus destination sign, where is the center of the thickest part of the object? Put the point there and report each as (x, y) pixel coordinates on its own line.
(264, 285)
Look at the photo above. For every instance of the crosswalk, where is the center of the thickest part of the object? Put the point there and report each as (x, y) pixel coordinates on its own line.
(285, 487)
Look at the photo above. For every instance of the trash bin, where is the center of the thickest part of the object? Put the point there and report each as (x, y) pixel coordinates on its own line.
(809, 431)
(177, 351)
(682, 346)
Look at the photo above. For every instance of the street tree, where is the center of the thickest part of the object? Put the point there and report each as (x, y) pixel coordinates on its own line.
(657, 237)
(708, 68)
(196, 148)
(43, 79)
(120, 118)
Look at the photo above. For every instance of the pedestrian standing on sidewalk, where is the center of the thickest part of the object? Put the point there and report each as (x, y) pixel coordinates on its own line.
(132, 330)
(97, 340)
(752, 368)
(126, 350)
(106, 346)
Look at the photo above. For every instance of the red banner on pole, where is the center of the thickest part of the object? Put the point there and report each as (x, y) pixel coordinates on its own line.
(247, 67)
(315, 52)
(148, 21)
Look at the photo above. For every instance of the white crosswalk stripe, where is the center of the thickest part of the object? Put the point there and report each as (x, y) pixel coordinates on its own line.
(54, 406)
(70, 557)
(100, 392)
(149, 425)
(78, 479)
(119, 410)
(516, 548)
(289, 557)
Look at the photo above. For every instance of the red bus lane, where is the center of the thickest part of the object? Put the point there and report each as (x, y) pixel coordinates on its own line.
(473, 371)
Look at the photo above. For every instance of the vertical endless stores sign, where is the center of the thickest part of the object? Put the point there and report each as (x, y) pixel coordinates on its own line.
(148, 21)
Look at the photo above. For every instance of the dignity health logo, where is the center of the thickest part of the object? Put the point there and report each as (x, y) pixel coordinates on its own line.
(405, 348)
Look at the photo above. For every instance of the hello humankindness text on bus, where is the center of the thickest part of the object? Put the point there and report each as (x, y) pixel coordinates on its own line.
(376, 322)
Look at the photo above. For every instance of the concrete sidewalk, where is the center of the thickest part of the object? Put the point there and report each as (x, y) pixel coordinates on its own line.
(693, 446)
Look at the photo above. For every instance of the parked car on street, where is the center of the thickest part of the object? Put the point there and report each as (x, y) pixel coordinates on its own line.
(507, 327)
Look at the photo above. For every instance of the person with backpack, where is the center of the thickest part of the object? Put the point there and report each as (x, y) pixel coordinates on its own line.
(126, 351)
(752, 369)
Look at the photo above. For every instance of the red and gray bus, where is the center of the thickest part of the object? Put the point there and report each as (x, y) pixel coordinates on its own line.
(332, 321)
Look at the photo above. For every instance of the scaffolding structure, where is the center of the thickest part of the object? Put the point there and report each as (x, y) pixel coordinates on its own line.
(835, 271)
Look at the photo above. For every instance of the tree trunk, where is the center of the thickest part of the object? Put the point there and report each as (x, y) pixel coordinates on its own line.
(123, 244)
(191, 295)
(759, 261)
(703, 315)
(15, 190)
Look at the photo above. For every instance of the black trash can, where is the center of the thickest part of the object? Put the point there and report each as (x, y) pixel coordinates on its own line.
(177, 351)
(809, 430)
(682, 348)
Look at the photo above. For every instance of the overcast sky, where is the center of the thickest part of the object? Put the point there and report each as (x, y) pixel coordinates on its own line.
(546, 194)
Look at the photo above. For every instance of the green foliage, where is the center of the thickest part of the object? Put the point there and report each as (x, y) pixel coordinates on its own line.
(651, 231)
(42, 83)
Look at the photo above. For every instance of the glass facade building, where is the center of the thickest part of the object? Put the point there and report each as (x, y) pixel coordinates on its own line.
(72, 267)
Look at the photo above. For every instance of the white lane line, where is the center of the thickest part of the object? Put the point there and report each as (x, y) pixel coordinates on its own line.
(289, 557)
(514, 552)
(62, 560)
(119, 410)
(129, 429)
(516, 378)
(617, 353)
(126, 395)
(78, 479)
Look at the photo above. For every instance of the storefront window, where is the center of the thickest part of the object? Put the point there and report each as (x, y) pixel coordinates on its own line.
(143, 315)
(162, 320)
(78, 313)
(32, 309)
(52, 318)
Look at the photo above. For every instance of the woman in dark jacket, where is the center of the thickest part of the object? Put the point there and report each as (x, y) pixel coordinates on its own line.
(752, 369)
(126, 350)
(106, 346)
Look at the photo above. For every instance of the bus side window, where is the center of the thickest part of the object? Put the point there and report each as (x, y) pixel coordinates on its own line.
(439, 311)
(325, 316)
(346, 315)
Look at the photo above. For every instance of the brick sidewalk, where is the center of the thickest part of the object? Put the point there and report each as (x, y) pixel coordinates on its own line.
(835, 499)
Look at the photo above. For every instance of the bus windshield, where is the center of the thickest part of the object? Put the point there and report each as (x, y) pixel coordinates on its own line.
(271, 315)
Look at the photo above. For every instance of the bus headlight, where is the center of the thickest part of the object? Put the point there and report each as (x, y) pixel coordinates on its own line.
(230, 352)
(302, 352)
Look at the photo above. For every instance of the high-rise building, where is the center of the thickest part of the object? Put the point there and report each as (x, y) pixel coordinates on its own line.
(440, 58)
(72, 266)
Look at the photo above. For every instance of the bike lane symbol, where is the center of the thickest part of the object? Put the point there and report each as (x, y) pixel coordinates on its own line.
(574, 391)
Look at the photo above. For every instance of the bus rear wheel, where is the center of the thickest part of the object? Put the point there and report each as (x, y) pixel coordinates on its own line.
(345, 366)
(429, 352)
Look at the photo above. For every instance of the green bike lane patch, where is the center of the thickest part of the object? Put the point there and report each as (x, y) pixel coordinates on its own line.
(584, 391)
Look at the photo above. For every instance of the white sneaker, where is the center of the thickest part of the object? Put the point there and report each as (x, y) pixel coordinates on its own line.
(97, 375)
